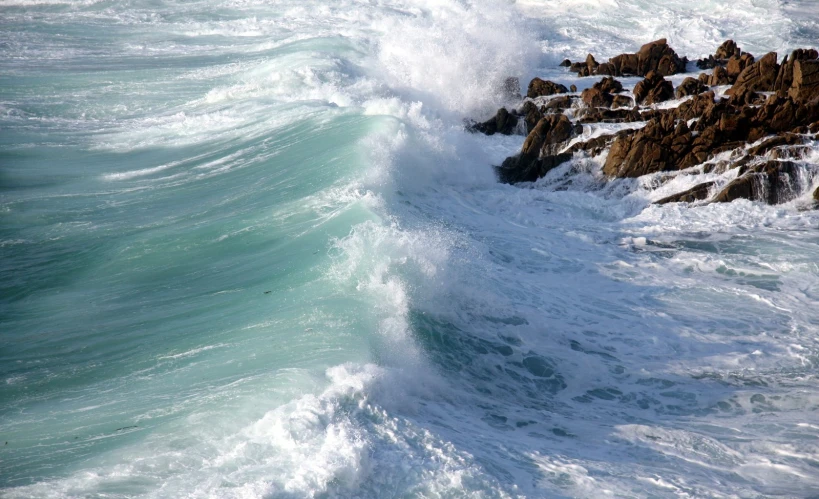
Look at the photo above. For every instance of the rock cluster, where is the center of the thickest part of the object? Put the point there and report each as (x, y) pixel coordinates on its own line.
(766, 134)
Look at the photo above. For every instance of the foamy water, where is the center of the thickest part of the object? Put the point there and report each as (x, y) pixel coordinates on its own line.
(249, 251)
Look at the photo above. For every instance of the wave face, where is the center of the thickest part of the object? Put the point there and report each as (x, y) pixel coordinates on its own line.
(247, 250)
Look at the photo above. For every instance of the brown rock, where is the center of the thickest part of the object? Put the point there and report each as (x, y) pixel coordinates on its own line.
(653, 89)
(784, 79)
(604, 115)
(609, 85)
(696, 193)
(805, 86)
(719, 77)
(531, 115)
(594, 97)
(539, 153)
(727, 50)
(737, 64)
(786, 139)
(538, 87)
(622, 101)
(559, 103)
(774, 182)
(690, 86)
(573, 88)
(758, 77)
(696, 107)
(566, 63)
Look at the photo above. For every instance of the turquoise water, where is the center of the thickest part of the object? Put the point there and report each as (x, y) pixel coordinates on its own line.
(247, 250)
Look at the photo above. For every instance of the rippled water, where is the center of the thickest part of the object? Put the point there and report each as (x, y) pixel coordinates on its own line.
(247, 250)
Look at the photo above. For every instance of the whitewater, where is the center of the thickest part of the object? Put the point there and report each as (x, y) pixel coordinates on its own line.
(247, 249)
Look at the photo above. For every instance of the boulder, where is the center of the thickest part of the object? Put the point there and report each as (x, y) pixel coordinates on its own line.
(604, 115)
(538, 87)
(622, 101)
(653, 89)
(566, 63)
(540, 151)
(727, 50)
(784, 79)
(609, 85)
(503, 122)
(773, 182)
(559, 103)
(736, 65)
(696, 193)
(654, 56)
(805, 86)
(719, 77)
(690, 86)
(594, 97)
(573, 88)
(757, 77)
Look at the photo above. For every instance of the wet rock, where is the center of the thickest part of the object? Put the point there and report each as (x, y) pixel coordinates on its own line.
(805, 86)
(690, 86)
(573, 88)
(663, 145)
(653, 89)
(757, 77)
(784, 79)
(773, 182)
(503, 122)
(654, 56)
(696, 107)
(540, 152)
(538, 87)
(727, 50)
(560, 103)
(531, 115)
(594, 97)
(736, 65)
(622, 101)
(719, 77)
(566, 63)
(604, 115)
(609, 85)
(816, 195)
(696, 193)
(786, 139)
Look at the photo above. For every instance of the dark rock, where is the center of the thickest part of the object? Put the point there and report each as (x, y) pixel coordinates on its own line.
(566, 63)
(604, 115)
(559, 103)
(653, 89)
(663, 145)
(774, 182)
(784, 79)
(757, 77)
(736, 65)
(609, 85)
(690, 86)
(531, 115)
(503, 122)
(719, 77)
(696, 107)
(593, 146)
(708, 63)
(622, 101)
(786, 139)
(727, 50)
(540, 150)
(654, 56)
(573, 88)
(816, 195)
(594, 97)
(538, 87)
(696, 193)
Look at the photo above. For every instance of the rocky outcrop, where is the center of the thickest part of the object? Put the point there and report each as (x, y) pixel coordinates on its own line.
(726, 51)
(503, 122)
(594, 97)
(696, 193)
(655, 56)
(609, 85)
(805, 86)
(784, 79)
(719, 77)
(653, 89)
(540, 152)
(538, 88)
(757, 77)
(773, 182)
(690, 86)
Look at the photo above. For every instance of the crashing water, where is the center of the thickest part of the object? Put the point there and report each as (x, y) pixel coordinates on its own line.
(247, 250)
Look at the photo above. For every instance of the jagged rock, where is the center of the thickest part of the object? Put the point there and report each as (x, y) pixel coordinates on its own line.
(540, 152)
(594, 97)
(653, 89)
(593, 146)
(719, 77)
(603, 115)
(727, 50)
(696, 193)
(538, 87)
(690, 86)
(663, 145)
(757, 77)
(559, 103)
(696, 107)
(622, 101)
(784, 79)
(708, 63)
(609, 85)
(805, 86)
(774, 182)
(654, 56)
(573, 88)
(736, 65)
(606, 68)
(531, 115)
(503, 122)
(786, 139)
(566, 63)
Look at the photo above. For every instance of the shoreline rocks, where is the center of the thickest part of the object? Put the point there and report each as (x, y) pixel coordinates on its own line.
(765, 124)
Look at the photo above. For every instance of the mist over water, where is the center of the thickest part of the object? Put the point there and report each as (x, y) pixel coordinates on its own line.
(248, 250)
